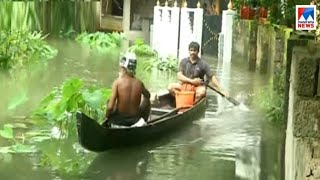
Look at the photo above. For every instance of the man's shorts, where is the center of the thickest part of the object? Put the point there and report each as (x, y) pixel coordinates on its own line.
(120, 119)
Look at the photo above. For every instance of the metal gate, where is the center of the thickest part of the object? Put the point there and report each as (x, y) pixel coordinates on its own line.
(210, 34)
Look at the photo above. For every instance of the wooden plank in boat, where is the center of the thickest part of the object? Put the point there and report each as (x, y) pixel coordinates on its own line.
(161, 110)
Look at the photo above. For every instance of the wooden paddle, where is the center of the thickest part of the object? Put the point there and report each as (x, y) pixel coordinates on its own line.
(232, 100)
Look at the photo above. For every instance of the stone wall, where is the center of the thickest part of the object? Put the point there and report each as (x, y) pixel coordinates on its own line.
(265, 48)
(302, 158)
(240, 35)
(261, 46)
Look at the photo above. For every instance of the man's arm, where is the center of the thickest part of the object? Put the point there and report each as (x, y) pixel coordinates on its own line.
(213, 79)
(183, 78)
(180, 76)
(217, 86)
(113, 99)
(216, 83)
(145, 92)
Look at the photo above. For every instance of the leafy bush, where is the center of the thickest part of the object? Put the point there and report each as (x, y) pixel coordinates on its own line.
(101, 39)
(20, 48)
(142, 49)
(59, 107)
(17, 146)
(162, 64)
(271, 99)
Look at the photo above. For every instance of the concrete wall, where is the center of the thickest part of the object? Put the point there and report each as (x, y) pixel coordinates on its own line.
(265, 49)
(241, 30)
(302, 158)
(261, 46)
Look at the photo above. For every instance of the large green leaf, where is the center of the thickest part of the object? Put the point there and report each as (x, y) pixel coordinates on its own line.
(18, 100)
(22, 148)
(94, 99)
(7, 131)
(18, 148)
(71, 87)
(19, 125)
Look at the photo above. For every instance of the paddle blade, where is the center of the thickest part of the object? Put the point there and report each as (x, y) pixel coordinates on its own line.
(233, 101)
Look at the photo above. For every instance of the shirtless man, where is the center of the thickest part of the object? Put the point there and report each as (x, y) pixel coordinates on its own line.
(124, 107)
(192, 71)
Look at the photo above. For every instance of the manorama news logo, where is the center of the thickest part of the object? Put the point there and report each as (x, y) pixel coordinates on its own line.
(306, 17)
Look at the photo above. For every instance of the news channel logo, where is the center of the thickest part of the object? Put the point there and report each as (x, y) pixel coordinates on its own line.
(306, 17)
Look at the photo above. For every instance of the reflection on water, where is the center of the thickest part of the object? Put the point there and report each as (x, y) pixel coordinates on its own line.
(122, 164)
(21, 167)
(231, 144)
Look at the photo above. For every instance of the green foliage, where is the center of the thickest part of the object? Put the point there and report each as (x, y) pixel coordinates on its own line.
(18, 100)
(273, 103)
(18, 15)
(7, 131)
(16, 147)
(145, 53)
(150, 59)
(36, 136)
(66, 17)
(284, 13)
(60, 105)
(101, 39)
(54, 17)
(20, 48)
(168, 64)
(142, 49)
(71, 161)
(271, 99)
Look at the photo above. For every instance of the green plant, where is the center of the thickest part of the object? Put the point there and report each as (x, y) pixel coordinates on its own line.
(16, 147)
(18, 16)
(168, 64)
(20, 48)
(160, 63)
(142, 49)
(60, 106)
(237, 5)
(265, 3)
(252, 3)
(65, 158)
(101, 39)
(271, 99)
(284, 13)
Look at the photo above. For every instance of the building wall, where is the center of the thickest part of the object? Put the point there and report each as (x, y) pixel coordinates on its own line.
(302, 158)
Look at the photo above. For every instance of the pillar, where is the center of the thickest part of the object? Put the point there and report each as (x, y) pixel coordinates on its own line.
(190, 29)
(226, 30)
(126, 21)
(166, 30)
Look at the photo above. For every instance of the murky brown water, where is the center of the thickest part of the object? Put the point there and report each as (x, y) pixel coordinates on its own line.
(228, 144)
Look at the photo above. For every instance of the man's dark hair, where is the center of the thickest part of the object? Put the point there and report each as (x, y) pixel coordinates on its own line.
(194, 45)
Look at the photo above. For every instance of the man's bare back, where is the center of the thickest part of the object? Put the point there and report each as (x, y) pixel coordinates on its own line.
(124, 106)
(126, 96)
(129, 95)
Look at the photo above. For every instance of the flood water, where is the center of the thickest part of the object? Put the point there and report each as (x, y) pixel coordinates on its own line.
(229, 143)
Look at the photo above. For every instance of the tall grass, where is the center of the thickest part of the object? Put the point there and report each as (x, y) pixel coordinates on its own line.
(18, 15)
(56, 17)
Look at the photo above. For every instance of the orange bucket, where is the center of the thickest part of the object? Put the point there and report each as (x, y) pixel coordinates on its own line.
(184, 99)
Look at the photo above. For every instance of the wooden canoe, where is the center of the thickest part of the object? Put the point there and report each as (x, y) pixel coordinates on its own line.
(164, 118)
